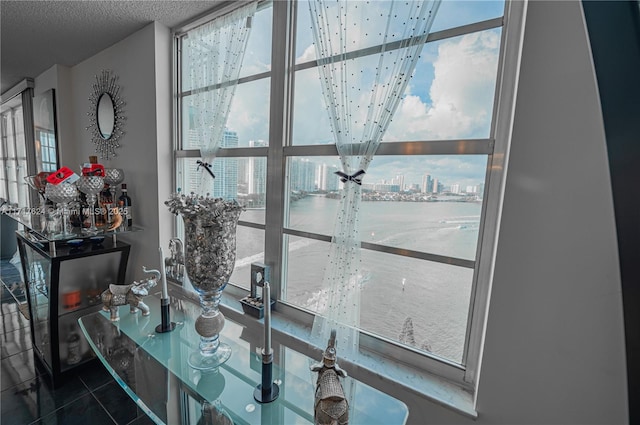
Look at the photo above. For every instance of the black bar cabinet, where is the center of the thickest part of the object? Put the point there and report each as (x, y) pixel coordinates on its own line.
(63, 283)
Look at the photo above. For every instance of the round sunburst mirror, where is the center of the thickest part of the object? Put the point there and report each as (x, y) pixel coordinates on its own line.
(106, 114)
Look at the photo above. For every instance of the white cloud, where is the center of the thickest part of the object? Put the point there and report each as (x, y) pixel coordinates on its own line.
(459, 105)
(249, 115)
(308, 55)
(461, 93)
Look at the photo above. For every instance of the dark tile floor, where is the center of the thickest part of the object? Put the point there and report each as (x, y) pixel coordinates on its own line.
(88, 396)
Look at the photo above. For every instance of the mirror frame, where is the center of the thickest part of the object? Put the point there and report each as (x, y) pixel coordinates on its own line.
(106, 83)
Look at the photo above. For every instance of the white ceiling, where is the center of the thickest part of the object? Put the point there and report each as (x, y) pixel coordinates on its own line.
(35, 35)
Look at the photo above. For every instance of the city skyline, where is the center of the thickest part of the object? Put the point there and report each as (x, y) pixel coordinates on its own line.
(247, 176)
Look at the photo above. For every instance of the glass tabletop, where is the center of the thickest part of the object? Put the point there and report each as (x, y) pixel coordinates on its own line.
(152, 368)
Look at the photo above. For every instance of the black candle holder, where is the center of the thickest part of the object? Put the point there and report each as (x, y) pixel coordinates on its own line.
(267, 391)
(166, 325)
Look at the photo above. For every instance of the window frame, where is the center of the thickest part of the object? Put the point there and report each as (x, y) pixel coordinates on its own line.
(496, 147)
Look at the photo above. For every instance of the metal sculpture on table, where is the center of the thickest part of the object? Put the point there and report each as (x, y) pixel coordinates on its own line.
(331, 406)
(175, 264)
(118, 295)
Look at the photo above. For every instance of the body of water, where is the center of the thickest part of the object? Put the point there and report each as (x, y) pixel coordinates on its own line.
(435, 296)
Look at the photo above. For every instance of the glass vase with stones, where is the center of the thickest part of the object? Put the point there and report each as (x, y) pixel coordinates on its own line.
(91, 186)
(62, 194)
(210, 255)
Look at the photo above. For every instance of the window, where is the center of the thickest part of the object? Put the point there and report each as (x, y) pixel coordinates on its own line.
(13, 187)
(430, 197)
(47, 148)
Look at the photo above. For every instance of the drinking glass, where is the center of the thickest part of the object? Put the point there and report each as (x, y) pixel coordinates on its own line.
(113, 177)
(38, 182)
(91, 186)
(62, 194)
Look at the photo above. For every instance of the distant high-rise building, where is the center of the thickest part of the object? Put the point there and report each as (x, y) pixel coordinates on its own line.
(327, 179)
(435, 186)
(302, 175)
(243, 172)
(427, 184)
(256, 171)
(226, 170)
(398, 180)
(455, 188)
(385, 187)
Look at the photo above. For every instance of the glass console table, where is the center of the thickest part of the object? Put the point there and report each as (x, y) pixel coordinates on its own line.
(152, 368)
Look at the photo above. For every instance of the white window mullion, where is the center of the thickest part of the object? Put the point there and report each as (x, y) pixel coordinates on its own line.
(278, 134)
(511, 47)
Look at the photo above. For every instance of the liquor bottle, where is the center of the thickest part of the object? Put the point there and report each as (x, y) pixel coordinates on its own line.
(105, 201)
(80, 213)
(124, 204)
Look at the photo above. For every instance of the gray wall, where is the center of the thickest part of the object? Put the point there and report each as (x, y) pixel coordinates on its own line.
(554, 349)
(142, 63)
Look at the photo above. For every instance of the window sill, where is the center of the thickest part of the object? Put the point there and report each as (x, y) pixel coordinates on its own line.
(374, 370)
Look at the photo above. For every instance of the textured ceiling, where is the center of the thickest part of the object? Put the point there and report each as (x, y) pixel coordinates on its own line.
(35, 35)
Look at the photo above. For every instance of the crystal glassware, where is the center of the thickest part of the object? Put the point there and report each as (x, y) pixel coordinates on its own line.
(91, 186)
(210, 255)
(38, 182)
(113, 177)
(62, 194)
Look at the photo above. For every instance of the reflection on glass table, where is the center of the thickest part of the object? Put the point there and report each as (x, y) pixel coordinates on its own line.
(152, 368)
(31, 219)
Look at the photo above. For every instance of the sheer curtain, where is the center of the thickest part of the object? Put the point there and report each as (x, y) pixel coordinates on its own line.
(216, 50)
(361, 93)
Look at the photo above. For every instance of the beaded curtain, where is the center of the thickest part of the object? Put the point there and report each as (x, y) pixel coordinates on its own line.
(216, 50)
(361, 95)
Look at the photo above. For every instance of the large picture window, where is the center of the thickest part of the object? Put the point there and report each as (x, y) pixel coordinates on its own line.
(430, 196)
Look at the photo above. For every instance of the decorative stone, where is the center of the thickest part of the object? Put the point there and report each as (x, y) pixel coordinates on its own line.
(209, 327)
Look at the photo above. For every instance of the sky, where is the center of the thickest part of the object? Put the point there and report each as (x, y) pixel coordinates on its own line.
(450, 95)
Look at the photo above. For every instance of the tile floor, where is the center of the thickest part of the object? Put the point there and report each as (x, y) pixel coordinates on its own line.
(88, 396)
